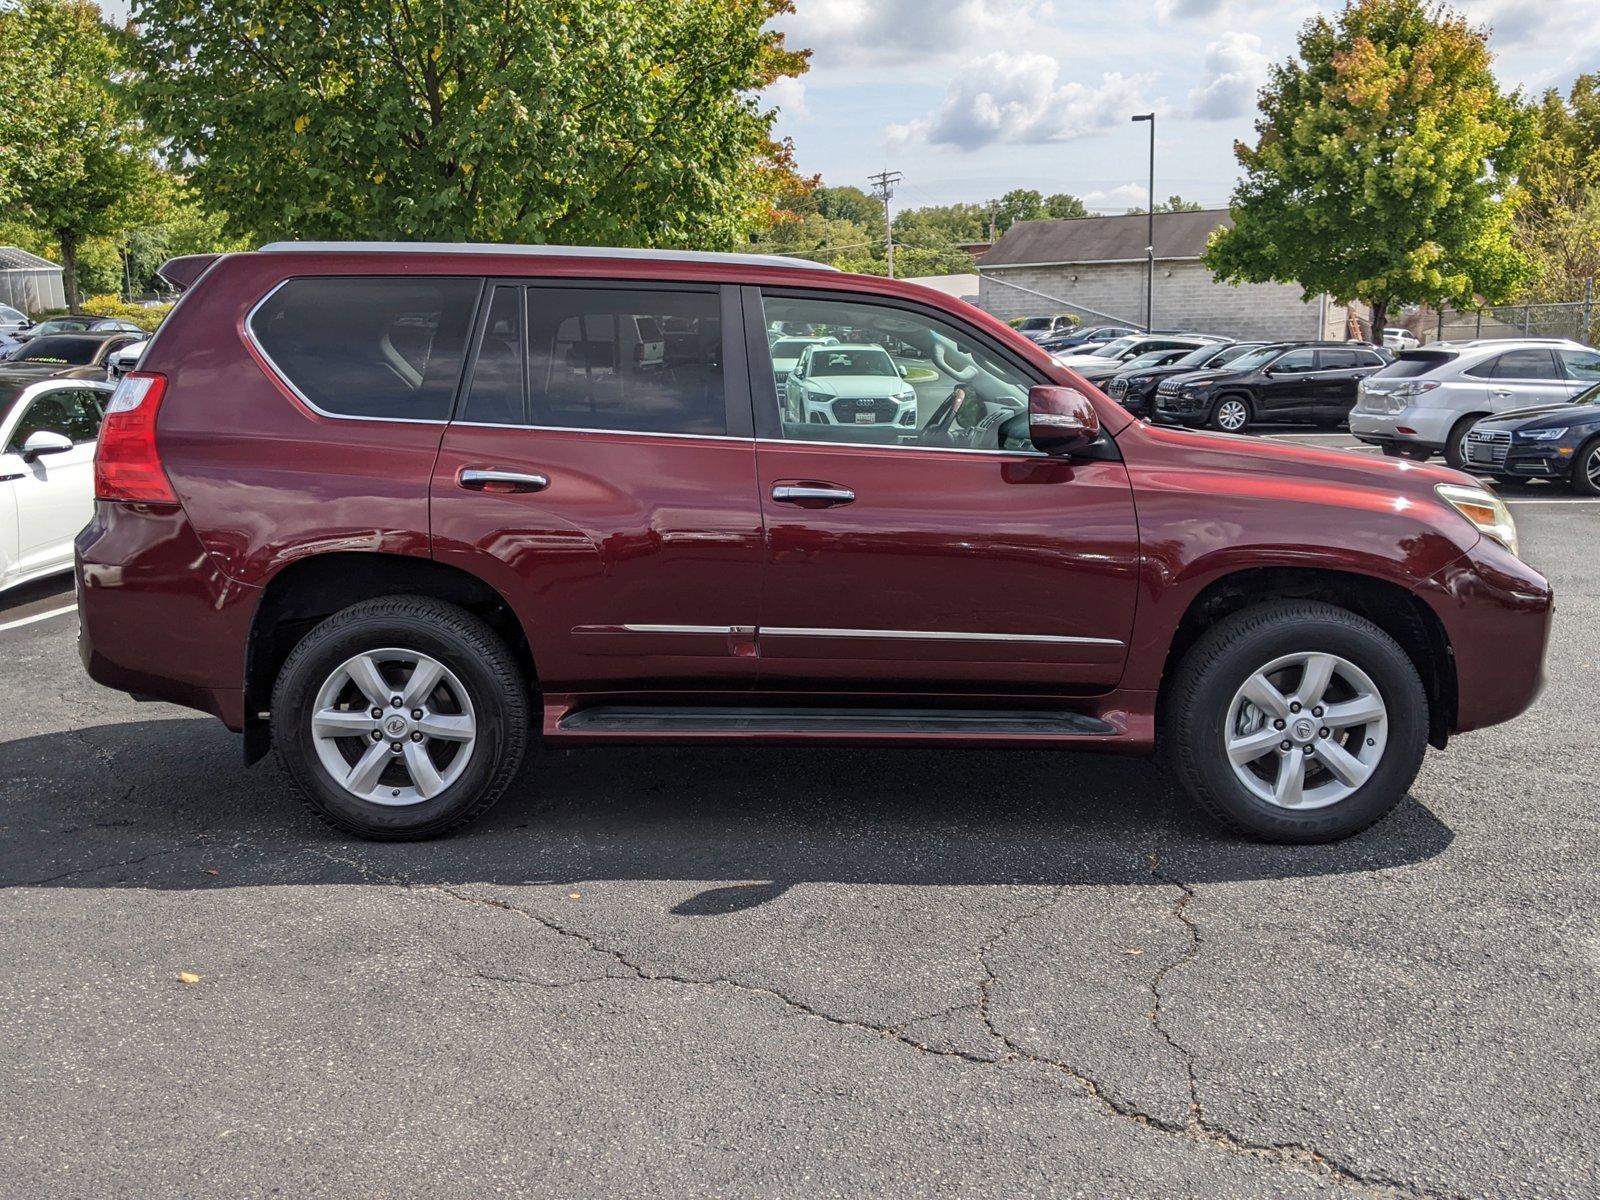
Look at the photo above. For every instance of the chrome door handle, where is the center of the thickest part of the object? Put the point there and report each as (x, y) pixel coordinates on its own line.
(480, 480)
(799, 494)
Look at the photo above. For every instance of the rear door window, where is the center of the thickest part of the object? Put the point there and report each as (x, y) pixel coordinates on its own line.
(387, 348)
(1520, 364)
(599, 358)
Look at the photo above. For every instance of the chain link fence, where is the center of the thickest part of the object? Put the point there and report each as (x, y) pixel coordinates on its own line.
(1576, 319)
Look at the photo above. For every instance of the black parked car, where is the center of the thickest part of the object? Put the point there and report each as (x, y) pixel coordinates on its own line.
(1552, 441)
(1135, 387)
(1285, 381)
(1088, 337)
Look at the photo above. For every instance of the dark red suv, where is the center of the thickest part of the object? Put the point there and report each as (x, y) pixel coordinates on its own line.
(396, 510)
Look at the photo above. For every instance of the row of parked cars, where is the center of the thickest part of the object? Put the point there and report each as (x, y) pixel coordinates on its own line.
(1516, 409)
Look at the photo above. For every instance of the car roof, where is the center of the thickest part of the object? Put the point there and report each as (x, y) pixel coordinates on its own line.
(492, 248)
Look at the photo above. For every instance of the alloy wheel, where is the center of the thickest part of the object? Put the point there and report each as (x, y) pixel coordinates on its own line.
(1306, 730)
(1591, 469)
(1232, 415)
(393, 726)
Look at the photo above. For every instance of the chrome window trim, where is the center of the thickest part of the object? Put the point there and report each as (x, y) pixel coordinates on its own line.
(930, 635)
(897, 446)
(282, 377)
(700, 437)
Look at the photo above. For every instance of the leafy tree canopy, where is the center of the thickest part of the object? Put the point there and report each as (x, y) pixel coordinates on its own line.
(1383, 166)
(1172, 204)
(74, 161)
(585, 121)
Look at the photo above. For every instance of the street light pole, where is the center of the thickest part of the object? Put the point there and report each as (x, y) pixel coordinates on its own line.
(1150, 230)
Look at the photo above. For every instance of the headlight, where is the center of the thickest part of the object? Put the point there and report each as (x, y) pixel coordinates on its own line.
(905, 397)
(1541, 435)
(1484, 509)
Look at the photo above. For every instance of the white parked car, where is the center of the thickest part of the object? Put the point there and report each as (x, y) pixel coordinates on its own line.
(120, 362)
(1107, 359)
(845, 384)
(1426, 401)
(786, 352)
(13, 320)
(1400, 339)
(48, 431)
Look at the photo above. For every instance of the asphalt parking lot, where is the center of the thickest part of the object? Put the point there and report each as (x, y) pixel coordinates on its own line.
(781, 973)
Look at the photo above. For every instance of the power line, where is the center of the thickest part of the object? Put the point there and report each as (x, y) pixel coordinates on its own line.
(883, 187)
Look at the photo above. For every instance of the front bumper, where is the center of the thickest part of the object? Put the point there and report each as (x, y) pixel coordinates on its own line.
(1170, 409)
(1502, 452)
(1496, 611)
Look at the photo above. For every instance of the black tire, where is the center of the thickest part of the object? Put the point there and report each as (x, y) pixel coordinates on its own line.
(1585, 477)
(488, 671)
(1455, 445)
(1224, 406)
(1211, 673)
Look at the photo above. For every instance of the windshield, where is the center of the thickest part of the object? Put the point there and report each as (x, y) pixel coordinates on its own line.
(1035, 323)
(790, 347)
(1112, 349)
(63, 325)
(1198, 357)
(1153, 359)
(869, 361)
(1257, 357)
(65, 349)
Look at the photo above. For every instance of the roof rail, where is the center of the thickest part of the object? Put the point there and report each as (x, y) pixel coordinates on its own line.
(687, 256)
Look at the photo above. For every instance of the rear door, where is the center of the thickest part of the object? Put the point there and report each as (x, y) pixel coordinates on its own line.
(608, 492)
(1340, 370)
(942, 553)
(1521, 378)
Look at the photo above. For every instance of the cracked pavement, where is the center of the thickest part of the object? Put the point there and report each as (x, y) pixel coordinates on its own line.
(795, 972)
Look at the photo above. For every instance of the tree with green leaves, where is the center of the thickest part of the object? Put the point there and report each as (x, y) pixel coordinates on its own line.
(626, 122)
(76, 163)
(1384, 165)
(1064, 207)
(1172, 204)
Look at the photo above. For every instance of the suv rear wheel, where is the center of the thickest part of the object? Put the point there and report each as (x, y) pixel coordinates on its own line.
(1231, 414)
(1296, 722)
(400, 718)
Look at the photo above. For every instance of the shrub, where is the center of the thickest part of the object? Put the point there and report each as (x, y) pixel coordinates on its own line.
(114, 306)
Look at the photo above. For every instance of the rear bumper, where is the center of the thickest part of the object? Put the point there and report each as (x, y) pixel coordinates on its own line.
(1497, 612)
(156, 618)
(1429, 427)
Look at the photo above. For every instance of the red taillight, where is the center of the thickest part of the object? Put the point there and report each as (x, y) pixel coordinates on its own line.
(126, 464)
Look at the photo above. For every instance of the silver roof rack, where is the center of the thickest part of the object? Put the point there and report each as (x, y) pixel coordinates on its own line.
(709, 257)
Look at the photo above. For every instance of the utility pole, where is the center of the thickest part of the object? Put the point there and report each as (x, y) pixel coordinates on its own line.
(883, 187)
(1150, 229)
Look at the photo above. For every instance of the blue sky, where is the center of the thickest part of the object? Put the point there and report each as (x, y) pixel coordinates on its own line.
(970, 98)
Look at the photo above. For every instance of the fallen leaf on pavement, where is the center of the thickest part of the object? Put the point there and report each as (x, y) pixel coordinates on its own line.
(188, 977)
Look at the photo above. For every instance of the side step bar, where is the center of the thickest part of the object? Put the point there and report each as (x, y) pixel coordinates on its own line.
(627, 719)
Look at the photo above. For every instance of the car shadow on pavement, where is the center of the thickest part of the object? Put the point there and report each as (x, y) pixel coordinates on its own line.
(167, 804)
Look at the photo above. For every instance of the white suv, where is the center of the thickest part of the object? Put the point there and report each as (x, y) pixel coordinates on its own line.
(1425, 401)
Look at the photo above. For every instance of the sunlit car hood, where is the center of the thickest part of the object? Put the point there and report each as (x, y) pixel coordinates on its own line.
(1545, 415)
(861, 387)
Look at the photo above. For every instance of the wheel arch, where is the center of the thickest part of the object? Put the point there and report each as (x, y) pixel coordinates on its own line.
(1397, 611)
(312, 589)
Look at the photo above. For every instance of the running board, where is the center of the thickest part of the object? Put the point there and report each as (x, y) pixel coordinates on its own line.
(629, 719)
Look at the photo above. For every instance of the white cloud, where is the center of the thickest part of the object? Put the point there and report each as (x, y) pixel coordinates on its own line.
(1117, 199)
(894, 31)
(1234, 68)
(1013, 99)
(788, 96)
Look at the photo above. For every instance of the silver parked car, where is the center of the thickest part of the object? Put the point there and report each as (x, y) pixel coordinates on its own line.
(1426, 401)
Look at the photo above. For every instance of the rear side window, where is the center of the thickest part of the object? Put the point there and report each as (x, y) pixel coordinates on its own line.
(388, 348)
(1527, 364)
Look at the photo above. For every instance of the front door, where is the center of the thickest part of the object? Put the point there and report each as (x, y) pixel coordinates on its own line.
(55, 492)
(1288, 391)
(915, 540)
(603, 479)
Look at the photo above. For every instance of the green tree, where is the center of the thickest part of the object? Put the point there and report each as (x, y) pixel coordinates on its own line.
(588, 121)
(1383, 166)
(1064, 207)
(1019, 204)
(77, 164)
(1564, 160)
(850, 204)
(1172, 204)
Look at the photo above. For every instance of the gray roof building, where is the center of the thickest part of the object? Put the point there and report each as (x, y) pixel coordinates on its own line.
(29, 282)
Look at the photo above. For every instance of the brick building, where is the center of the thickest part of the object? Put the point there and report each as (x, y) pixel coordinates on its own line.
(1095, 267)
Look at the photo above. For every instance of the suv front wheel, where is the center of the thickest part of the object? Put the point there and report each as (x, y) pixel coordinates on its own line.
(1296, 722)
(1231, 414)
(400, 718)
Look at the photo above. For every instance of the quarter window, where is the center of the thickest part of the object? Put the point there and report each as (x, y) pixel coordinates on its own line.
(387, 348)
(888, 376)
